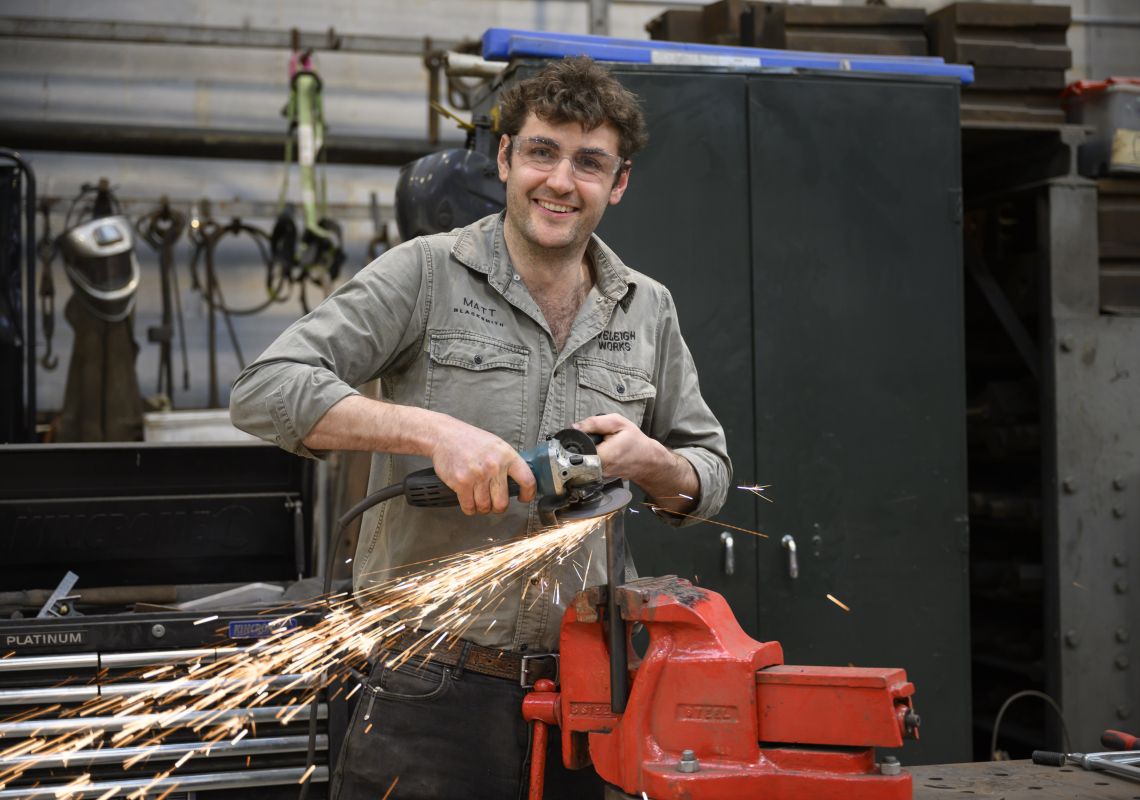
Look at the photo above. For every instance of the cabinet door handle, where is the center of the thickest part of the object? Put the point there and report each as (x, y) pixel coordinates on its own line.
(729, 552)
(789, 544)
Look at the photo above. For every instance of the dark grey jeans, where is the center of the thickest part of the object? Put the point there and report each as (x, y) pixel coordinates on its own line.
(446, 733)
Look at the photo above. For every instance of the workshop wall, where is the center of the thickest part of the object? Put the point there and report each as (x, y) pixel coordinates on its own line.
(61, 81)
(243, 90)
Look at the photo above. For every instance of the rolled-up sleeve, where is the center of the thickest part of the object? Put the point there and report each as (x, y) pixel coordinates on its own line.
(364, 328)
(683, 421)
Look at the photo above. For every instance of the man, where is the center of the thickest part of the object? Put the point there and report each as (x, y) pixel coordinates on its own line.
(487, 340)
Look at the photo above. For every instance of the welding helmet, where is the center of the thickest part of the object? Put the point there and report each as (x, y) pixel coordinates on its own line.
(446, 190)
(99, 260)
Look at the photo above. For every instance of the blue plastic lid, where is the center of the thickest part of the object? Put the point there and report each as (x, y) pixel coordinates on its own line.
(503, 44)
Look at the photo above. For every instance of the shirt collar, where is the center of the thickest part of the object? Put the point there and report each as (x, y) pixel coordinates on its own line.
(482, 248)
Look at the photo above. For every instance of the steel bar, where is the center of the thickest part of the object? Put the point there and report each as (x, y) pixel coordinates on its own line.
(170, 752)
(117, 32)
(154, 497)
(175, 688)
(116, 660)
(245, 779)
(153, 140)
(48, 727)
(615, 570)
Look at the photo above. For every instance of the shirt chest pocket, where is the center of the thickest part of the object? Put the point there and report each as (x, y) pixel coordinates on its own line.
(480, 380)
(605, 388)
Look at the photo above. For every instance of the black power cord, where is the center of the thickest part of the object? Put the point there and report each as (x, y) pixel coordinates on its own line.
(377, 497)
(1016, 696)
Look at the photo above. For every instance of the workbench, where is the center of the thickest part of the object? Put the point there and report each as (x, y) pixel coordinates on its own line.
(1018, 780)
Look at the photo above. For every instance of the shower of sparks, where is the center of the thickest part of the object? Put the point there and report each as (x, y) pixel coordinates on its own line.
(656, 508)
(838, 602)
(758, 490)
(284, 671)
(390, 788)
(1079, 586)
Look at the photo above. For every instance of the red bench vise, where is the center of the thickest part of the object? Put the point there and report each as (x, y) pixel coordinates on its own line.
(713, 714)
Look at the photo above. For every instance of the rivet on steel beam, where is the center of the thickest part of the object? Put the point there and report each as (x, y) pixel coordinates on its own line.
(1122, 635)
(1121, 585)
(1119, 559)
(1123, 712)
(1121, 661)
(1072, 638)
(890, 766)
(1069, 485)
(157, 630)
(1118, 512)
(1066, 343)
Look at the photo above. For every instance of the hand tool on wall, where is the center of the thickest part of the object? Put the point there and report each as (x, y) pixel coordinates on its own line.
(46, 249)
(322, 251)
(161, 229)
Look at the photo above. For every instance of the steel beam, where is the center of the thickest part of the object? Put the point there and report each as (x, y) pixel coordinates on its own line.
(148, 140)
(116, 32)
(1091, 434)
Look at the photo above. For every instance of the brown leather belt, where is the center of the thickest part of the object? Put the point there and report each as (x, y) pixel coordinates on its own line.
(465, 655)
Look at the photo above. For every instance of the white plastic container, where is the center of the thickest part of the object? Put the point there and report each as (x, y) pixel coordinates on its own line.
(1113, 108)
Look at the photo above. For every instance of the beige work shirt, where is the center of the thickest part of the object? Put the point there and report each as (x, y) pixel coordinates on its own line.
(448, 325)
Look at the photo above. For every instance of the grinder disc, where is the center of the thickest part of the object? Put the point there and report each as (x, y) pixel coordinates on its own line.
(602, 502)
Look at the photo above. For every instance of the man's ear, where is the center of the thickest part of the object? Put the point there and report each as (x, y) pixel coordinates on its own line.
(503, 159)
(620, 185)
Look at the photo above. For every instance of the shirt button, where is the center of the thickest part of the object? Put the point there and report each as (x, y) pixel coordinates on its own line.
(517, 277)
(478, 359)
(621, 388)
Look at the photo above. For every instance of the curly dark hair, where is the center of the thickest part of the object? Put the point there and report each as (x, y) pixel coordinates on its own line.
(576, 90)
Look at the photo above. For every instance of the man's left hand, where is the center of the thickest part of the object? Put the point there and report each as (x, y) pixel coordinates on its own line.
(626, 452)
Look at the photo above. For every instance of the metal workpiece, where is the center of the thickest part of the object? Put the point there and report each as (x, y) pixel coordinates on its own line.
(890, 766)
(615, 630)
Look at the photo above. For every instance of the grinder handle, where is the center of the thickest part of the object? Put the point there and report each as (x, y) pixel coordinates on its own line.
(424, 489)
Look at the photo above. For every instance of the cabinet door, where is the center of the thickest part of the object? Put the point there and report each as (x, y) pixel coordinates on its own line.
(684, 221)
(859, 376)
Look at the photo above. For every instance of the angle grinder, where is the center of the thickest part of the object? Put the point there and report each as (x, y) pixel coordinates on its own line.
(568, 474)
(567, 470)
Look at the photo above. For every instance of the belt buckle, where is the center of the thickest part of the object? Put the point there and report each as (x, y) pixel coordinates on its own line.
(524, 678)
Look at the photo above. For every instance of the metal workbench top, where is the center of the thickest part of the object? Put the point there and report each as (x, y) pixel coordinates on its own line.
(1018, 780)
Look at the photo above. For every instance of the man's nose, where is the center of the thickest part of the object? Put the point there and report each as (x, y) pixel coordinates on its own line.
(562, 176)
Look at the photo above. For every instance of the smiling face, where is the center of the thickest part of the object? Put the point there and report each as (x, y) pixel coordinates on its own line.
(556, 211)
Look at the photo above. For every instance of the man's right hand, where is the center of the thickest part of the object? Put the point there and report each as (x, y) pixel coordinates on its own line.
(476, 464)
(473, 462)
